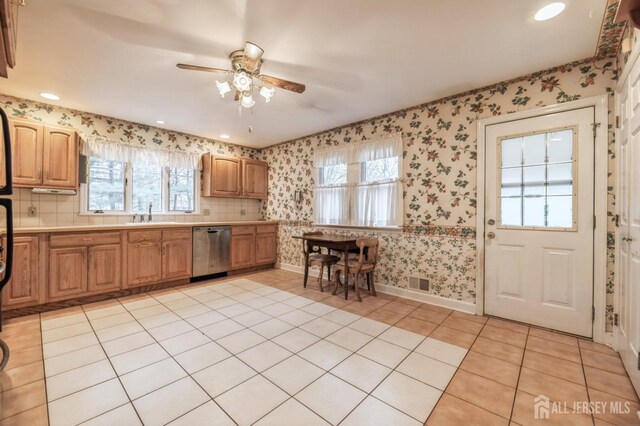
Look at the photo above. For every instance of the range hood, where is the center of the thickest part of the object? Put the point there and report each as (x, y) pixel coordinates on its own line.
(54, 191)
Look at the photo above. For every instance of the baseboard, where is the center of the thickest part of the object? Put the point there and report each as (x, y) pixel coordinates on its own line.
(406, 293)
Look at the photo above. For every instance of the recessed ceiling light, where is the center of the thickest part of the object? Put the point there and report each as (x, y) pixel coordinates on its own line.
(50, 96)
(225, 136)
(549, 11)
(159, 122)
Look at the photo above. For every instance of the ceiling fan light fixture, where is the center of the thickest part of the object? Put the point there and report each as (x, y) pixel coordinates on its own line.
(247, 101)
(253, 51)
(267, 92)
(242, 81)
(223, 87)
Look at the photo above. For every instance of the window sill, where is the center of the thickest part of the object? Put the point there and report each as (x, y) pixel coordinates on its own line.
(138, 214)
(394, 229)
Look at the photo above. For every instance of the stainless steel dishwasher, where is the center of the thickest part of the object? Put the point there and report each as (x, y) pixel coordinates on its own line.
(211, 246)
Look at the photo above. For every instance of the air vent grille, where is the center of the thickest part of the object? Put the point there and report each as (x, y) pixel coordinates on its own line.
(419, 283)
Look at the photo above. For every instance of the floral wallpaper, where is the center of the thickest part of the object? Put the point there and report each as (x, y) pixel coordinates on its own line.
(114, 129)
(611, 32)
(438, 239)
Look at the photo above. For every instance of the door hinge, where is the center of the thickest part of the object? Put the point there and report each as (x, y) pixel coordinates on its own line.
(617, 121)
(615, 319)
(595, 128)
(593, 313)
(617, 219)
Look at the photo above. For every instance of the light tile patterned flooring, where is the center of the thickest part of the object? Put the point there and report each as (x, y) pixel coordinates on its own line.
(260, 349)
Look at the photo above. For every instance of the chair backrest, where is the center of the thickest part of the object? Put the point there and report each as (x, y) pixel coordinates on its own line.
(370, 245)
(304, 242)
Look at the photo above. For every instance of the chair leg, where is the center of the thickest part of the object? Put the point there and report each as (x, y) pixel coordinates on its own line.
(356, 287)
(320, 277)
(346, 286)
(368, 282)
(329, 273)
(373, 285)
(336, 281)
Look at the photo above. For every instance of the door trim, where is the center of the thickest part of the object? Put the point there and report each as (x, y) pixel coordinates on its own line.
(601, 104)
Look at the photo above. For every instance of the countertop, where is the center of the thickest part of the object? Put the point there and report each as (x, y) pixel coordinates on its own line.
(131, 226)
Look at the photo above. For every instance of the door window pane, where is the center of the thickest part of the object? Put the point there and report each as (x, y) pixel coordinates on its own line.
(182, 190)
(539, 191)
(105, 187)
(146, 188)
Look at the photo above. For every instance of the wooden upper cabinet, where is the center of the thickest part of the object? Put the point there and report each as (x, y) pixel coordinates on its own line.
(43, 156)
(27, 141)
(24, 287)
(234, 177)
(68, 272)
(226, 176)
(60, 159)
(255, 178)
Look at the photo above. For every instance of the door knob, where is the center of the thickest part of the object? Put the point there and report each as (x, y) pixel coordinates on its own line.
(491, 222)
(491, 235)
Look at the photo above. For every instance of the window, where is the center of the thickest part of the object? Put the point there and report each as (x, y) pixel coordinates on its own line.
(106, 186)
(182, 190)
(537, 175)
(360, 185)
(119, 187)
(146, 189)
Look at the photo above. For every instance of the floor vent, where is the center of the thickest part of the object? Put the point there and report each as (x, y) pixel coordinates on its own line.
(419, 283)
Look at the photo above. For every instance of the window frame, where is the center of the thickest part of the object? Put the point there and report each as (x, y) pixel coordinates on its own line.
(128, 196)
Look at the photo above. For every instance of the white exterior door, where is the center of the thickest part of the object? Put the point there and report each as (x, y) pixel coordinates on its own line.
(627, 290)
(539, 213)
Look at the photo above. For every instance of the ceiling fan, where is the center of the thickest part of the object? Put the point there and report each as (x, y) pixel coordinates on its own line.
(245, 68)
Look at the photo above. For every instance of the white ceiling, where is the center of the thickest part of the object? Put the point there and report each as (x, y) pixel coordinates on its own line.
(358, 58)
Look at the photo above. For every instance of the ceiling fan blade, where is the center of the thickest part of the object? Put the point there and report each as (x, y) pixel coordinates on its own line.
(252, 55)
(199, 68)
(283, 84)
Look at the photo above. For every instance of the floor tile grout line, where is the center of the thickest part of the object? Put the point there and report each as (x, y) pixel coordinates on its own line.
(586, 384)
(515, 393)
(115, 372)
(44, 371)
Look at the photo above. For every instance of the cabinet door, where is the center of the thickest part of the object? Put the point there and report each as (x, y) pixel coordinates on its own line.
(144, 263)
(255, 178)
(26, 147)
(104, 268)
(60, 160)
(67, 272)
(176, 259)
(23, 288)
(226, 176)
(265, 248)
(242, 251)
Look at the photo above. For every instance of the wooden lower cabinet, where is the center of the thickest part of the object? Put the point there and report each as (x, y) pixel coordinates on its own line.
(105, 273)
(24, 287)
(266, 248)
(253, 245)
(176, 259)
(243, 249)
(144, 263)
(68, 272)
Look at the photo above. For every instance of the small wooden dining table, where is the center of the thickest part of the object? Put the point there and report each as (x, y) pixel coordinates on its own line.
(333, 242)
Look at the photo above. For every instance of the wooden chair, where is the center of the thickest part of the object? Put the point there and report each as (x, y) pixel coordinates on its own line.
(316, 257)
(364, 266)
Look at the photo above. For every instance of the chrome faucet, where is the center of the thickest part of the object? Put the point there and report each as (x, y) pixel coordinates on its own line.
(134, 218)
(150, 207)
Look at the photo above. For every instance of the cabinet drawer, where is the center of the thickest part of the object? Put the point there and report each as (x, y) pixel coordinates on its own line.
(243, 230)
(84, 239)
(142, 236)
(176, 234)
(266, 229)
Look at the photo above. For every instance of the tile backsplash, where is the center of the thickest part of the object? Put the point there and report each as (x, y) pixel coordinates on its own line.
(60, 210)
